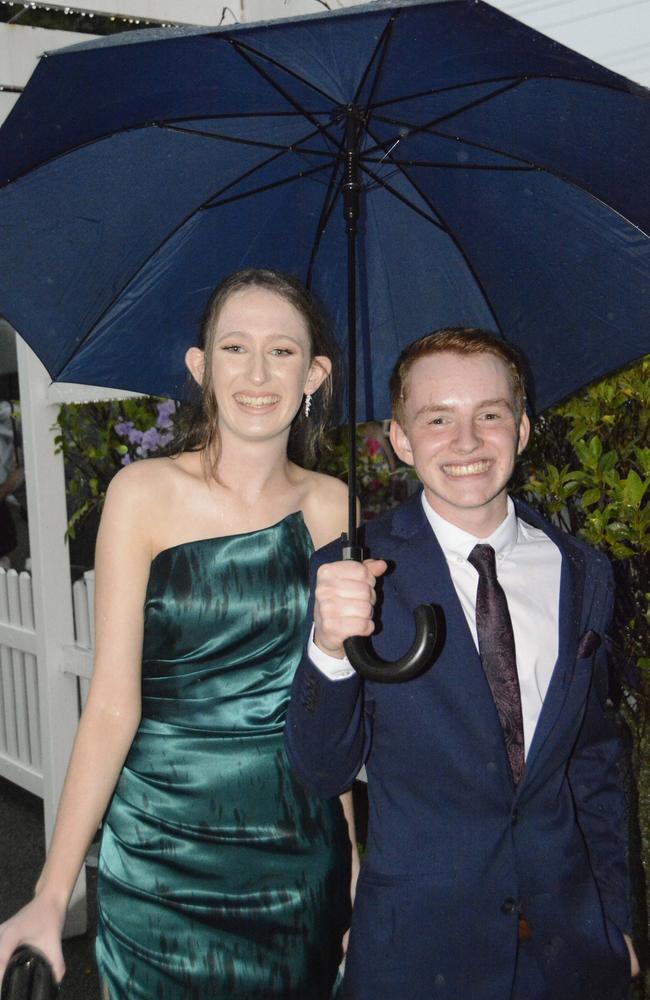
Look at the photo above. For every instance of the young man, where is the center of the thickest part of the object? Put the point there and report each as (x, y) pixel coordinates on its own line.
(496, 858)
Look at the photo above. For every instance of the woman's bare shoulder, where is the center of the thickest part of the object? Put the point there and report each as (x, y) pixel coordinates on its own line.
(326, 489)
(142, 498)
(325, 507)
(150, 479)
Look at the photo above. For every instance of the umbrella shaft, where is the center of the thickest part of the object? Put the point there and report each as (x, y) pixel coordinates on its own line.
(351, 189)
(352, 390)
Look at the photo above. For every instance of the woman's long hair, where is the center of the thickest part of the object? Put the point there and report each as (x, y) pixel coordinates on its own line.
(201, 417)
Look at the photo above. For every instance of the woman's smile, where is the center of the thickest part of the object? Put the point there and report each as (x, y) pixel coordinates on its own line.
(257, 403)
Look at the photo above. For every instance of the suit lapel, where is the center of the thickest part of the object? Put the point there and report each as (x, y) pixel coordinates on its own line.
(421, 576)
(572, 579)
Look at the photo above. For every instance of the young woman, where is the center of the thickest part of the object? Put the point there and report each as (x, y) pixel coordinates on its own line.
(219, 875)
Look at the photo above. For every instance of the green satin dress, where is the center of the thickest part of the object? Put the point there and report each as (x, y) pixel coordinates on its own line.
(220, 876)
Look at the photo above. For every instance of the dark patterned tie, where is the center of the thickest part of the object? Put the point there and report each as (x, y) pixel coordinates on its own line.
(496, 644)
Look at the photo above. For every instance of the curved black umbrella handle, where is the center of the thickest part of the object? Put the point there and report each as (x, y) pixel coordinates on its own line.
(28, 976)
(425, 649)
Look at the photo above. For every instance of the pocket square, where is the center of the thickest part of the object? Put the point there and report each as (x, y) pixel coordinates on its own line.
(588, 644)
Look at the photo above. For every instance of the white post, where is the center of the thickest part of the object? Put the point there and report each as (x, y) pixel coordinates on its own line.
(53, 613)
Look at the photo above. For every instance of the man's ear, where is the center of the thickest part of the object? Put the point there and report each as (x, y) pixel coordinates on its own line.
(195, 363)
(400, 442)
(319, 369)
(524, 432)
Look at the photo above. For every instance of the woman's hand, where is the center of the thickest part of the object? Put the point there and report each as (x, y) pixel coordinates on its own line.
(40, 925)
(635, 968)
(356, 865)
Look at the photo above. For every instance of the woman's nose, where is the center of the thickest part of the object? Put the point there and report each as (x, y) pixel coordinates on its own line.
(258, 371)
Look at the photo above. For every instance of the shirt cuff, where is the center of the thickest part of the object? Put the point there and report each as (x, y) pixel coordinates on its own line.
(333, 668)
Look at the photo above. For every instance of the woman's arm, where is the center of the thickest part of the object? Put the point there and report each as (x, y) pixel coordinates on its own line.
(109, 720)
(326, 515)
(348, 812)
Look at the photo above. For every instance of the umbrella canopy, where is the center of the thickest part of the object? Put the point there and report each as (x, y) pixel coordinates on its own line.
(503, 183)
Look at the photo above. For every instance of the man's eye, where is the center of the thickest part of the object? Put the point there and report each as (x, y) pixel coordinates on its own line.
(281, 351)
(233, 348)
(437, 420)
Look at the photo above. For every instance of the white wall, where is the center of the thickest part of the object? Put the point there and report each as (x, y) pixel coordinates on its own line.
(20, 49)
(615, 33)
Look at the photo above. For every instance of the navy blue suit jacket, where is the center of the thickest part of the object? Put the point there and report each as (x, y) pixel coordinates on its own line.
(455, 851)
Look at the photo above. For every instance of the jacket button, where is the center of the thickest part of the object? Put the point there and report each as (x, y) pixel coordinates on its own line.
(509, 906)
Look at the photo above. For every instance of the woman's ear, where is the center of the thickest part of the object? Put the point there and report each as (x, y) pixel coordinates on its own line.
(195, 363)
(319, 369)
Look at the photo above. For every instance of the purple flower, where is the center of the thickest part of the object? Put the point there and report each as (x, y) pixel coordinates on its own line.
(123, 427)
(166, 411)
(150, 440)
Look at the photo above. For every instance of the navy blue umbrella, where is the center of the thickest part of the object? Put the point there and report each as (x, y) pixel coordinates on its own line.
(488, 177)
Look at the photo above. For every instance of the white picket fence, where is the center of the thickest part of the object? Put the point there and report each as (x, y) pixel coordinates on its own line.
(21, 755)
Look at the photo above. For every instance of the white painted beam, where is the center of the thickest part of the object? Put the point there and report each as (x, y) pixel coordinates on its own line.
(46, 504)
(178, 11)
(71, 392)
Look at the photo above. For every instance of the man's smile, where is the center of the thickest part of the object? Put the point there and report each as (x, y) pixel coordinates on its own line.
(468, 469)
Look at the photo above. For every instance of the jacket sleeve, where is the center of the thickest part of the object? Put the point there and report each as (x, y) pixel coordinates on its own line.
(326, 731)
(595, 774)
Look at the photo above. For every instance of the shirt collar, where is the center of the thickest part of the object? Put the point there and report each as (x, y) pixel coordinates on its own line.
(456, 543)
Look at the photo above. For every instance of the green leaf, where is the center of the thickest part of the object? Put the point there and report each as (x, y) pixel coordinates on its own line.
(634, 489)
(590, 497)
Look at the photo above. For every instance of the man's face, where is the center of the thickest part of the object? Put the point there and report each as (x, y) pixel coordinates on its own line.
(461, 434)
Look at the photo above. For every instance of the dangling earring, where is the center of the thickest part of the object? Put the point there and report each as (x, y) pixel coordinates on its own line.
(307, 404)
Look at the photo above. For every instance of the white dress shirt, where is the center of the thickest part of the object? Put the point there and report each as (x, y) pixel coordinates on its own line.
(528, 569)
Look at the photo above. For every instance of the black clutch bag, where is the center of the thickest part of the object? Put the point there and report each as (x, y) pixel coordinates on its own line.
(28, 977)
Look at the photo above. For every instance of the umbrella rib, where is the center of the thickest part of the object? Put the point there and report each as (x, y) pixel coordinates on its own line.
(427, 126)
(458, 166)
(401, 197)
(326, 211)
(642, 93)
(243, 51)
(445, 90)
(242, 46)
(139, 126)
(265, 187)
(531, 165)
(444, 225)
(524, 164)
(258, 144)
(204, 206)
(382, 44)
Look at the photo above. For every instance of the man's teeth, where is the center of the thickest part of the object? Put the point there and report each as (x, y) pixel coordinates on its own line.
(466, 470)
(256, 400)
